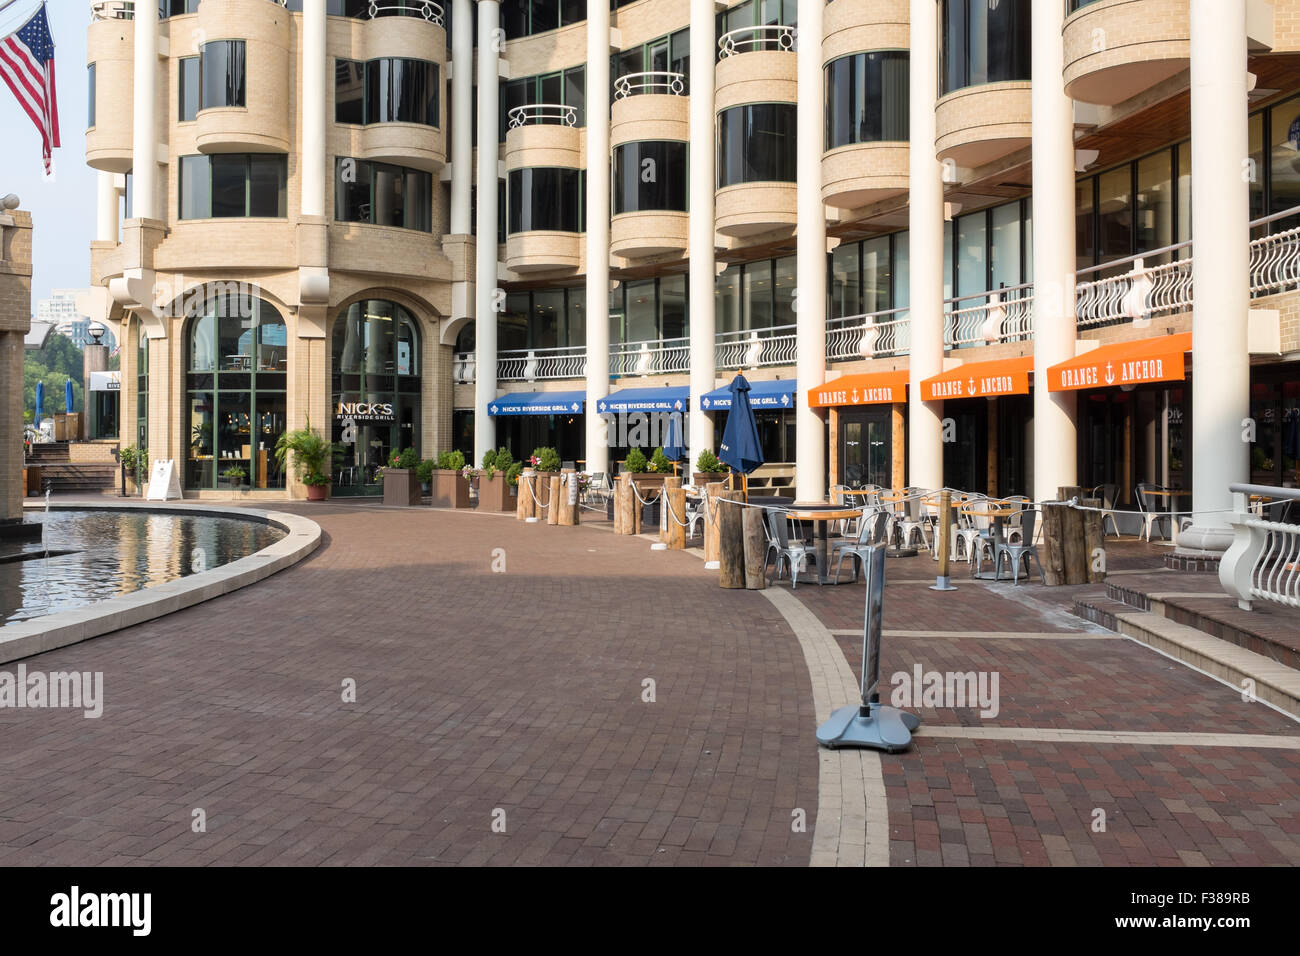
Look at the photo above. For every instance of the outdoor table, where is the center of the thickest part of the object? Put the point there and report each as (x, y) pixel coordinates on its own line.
(1174, 494)
(822, 515)
(999, 515)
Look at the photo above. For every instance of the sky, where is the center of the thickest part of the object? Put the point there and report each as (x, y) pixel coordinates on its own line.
(63, 206)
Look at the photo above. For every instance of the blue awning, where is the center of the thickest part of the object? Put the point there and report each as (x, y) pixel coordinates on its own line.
(762, 395)
(660, 399)
(538, 403)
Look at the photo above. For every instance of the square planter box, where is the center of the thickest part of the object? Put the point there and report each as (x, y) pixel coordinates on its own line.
(401, 486)
(450, 489)
(496, 494)
(702, 478)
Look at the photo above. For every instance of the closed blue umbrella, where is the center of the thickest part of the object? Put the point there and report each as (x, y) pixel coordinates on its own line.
(674, 447)
(740, 449)
(40, 403)
(67, 396)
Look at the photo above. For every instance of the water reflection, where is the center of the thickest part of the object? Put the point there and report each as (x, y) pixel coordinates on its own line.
(117, 553)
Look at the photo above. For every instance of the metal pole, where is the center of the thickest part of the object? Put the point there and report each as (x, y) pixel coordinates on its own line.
(944, 542)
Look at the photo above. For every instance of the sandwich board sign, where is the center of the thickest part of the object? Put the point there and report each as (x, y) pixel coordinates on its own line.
(164, 483)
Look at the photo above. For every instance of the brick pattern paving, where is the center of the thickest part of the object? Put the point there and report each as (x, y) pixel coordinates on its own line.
(475, 691)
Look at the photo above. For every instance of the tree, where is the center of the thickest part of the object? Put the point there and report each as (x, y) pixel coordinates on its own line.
(56, 364)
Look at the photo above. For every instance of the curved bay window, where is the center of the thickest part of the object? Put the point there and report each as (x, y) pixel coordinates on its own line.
(221, 74)
(867, 98)
(237, 350)
(982, 42)
(390, 90)
(650, 175)
(756, 143)
(545, 198)
(376, 391)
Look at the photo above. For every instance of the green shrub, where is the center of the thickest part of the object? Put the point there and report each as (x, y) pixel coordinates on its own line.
(513, 472)
(708, 463)
(504, 459)
(455, 460)
(405, 459)
(548, 459)
(313, 456)
(490, 461)
(425, 471)
(659, 462)
(636, 461)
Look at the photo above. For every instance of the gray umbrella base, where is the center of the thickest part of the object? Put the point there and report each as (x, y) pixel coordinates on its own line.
(883, 728)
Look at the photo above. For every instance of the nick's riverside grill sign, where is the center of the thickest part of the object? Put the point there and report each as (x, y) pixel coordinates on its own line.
(1124, 363)
(367, 412)
(980, 380)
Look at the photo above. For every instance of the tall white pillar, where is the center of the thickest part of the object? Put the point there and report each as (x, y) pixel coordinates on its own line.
(597, 200)
(462, 113)
(1055, 442)
(703, 269)
(144, 130)
(1220, 270)
(485, 272)
(810, 319)
(925, 225)
(314, 96)
(106, 208)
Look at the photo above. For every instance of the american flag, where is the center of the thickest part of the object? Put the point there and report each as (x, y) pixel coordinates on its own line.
(27, 66)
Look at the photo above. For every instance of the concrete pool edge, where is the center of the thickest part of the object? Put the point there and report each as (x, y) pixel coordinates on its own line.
(37, 635)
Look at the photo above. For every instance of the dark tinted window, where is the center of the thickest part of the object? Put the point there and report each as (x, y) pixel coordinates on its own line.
(233, 185)
(866, 98)
(349, 91)
(756, 143)
(383, 195)
(982, 42)
(187, 72)
(544, 198)
(222, 73)
(90, 95)
(650, 175)
(402, 91)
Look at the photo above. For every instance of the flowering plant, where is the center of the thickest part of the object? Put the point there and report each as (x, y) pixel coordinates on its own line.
(534, 460)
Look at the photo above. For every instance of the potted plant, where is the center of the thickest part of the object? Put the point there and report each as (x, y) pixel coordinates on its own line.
(498, 481)
(449, 482)
(425, 473)
(135, 461)
(234, 475)
(648, 474)
(402, 478)
(708, 468)
(313, 458)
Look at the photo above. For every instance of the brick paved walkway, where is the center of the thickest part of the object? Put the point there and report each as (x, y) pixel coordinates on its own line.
(475, 691)
(523, 691)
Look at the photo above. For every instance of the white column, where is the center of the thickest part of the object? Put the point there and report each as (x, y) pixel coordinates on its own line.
(925, 225)
(703, 269)
(144, 130)
(1220, 269)
(1055, 448)
(597, 200)
(462, 99)
(313, 108)
(106, 208)
(485, 274)
(810, 331)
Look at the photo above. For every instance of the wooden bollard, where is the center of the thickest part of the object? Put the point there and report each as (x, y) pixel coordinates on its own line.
(626, 506)
(524, 506)
(731, 540)
(553, 501)
(1094, 540)
(1072, 543)
(755, 548)
(711, 492)
(634, 502)
(568, 504)
(618, 506)
(666, 522)
(676, 507)
(1054, 566)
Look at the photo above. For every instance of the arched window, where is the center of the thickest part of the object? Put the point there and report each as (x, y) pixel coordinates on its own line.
(376, 391)
(237, 348)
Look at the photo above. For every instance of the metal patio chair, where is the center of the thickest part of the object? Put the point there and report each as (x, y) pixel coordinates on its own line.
(871, 531)
(1017, 553)
(795, 555)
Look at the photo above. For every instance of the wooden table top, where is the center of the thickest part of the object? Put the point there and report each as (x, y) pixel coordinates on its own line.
(857, 491)
(1170, 493)
(892, 495)
(830, 514)
(990, 512)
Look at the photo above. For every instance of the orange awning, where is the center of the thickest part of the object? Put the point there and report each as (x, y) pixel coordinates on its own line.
(1157, 359)
(871, 388)
(980, 380)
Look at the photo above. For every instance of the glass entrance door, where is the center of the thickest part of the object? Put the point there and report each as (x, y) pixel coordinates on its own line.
(866, 452)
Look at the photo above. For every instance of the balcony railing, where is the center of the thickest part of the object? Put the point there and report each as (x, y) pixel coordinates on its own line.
(112, 10)
(872, 335)
(751, 39)
(423, 9)
(536, 365)
(755, 348)
(1263, 562)
(650, 358)
(655, 81)
(542, 114)
(987, 318)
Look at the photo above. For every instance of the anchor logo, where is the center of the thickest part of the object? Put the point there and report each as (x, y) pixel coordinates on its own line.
(1110, 373)
(854, 396)
(971, 385)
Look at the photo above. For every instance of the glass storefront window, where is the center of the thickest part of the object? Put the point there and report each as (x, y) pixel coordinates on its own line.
(1115, 214)
(758, 294)
(673, 313)
(972, 266)
(783, 307)
(547, 316)
(641, 311)
(726, 297)
(1155, 205)
(1258, 163)
(876, 274)
(1005, 246)
(1284, 161)
(844, 280)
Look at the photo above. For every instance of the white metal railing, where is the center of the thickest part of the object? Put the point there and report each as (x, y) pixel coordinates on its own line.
(542, 114)
(1263, 561)
(1138, 292)
(750, 39)
(650, 358)
(426, 9)
(872, 335)
(755, 348)
(112, 10)
(986, 318)
(654, 81)
(535, 365)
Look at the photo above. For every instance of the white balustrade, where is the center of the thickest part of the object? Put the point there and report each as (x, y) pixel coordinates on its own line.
(1263, 561)
(750, 39)
(542, 114)
(655, 81)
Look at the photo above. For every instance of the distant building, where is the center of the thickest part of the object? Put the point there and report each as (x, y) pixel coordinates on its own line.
(60, 310)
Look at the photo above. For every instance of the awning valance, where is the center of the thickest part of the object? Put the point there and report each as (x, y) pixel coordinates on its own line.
(980, 380)
(1136, 362)
(870, 388)
(674, 399)
(762, 395)
(538, 403)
